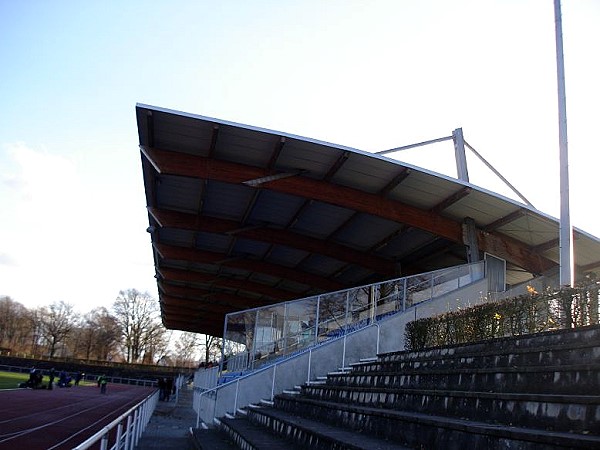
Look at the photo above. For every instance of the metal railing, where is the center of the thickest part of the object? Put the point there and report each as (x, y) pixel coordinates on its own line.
(256, 337)
(351, 340)
(129, 427)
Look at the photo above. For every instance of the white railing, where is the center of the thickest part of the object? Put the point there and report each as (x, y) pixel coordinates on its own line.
(206, 378)
(129, 427)
(330, 354)
(274, 331)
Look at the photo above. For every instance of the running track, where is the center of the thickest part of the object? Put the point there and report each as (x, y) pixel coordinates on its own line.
(63, 417)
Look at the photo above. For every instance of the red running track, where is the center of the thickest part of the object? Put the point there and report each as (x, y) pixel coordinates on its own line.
(63, 417)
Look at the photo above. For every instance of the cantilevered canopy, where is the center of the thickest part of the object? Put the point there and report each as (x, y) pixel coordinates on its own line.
(243, 217)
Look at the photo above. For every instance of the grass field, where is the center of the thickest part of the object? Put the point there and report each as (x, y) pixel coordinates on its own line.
(10, 380)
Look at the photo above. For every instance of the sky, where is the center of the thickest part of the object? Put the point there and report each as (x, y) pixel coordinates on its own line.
(372, 75)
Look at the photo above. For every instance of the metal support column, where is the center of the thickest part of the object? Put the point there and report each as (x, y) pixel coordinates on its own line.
(470, 240)
(459, 153)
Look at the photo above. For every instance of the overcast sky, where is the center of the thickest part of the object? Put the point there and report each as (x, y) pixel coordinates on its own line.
(367, 74)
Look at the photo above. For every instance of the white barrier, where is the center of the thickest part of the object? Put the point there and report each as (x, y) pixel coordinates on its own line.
(128, 434)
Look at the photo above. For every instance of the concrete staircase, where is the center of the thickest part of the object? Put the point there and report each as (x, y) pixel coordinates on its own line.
(531, 392)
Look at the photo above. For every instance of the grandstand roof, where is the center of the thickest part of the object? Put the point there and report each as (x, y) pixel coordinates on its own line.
(242, 217)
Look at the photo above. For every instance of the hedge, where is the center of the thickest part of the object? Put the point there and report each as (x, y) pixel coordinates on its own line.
(525, 314)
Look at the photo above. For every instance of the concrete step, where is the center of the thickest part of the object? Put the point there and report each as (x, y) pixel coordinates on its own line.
(556, 340)
(574, 354)
(550, 412)
(311, 434)
(431, 431)
(576, 380)
(210, 439)
(247, 435)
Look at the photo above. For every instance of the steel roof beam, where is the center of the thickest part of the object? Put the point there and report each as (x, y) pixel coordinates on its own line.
(452, 199)
(174, 219)
(198, 167)
(211, 297)
(396, 181)
(505, 220)
(227, 283)
(194, 255)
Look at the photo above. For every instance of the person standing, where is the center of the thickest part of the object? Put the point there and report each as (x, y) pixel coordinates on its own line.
(103, 382)
(51, 378)
(168, 388)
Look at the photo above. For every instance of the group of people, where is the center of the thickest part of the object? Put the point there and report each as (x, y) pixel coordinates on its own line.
(35, 379)
(64, 379)
(166, 386)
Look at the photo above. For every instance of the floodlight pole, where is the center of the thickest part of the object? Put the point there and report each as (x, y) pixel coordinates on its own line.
(566, 233)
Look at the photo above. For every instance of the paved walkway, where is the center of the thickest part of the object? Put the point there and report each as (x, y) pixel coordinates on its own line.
(169, 426)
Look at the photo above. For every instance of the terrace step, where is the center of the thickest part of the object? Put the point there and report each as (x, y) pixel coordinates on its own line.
(556, 341)
(307, 433)
(567, 379)
(247, 435)
(572, 354)
(210, 439)
(542, 392)
(551, 412)
(431, 431)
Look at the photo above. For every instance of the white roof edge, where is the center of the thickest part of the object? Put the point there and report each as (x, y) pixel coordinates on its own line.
(483, 190)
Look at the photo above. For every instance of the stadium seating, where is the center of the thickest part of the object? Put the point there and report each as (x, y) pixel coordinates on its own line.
(527, 392)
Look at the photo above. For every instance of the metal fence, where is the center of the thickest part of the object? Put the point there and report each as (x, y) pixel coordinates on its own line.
(256, 337)
(129, 427)
(86, 377)
(345, 330)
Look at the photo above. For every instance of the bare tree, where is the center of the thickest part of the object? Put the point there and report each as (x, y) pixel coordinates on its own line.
(35, 322)
(96, 336)
(15, 326)
(57, 321)
(108, 336)
(186, 347)
(211, 346)
(157, 347)
(138, 318)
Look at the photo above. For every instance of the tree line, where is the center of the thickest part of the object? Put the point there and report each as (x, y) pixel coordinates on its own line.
(129, 331)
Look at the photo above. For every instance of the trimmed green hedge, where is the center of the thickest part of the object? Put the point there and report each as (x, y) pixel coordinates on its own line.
(526, 314)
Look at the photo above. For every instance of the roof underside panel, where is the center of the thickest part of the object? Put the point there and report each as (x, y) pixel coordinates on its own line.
(321, 220)
(274, 208)
(366, 231)
(245, 147)
(422, 191)
(369, 175)
(242, 217)
(180, 134)
(226, 200)
(306, 156)
(286, 256)
(179, 193)
(322, 265)
(175, 236)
